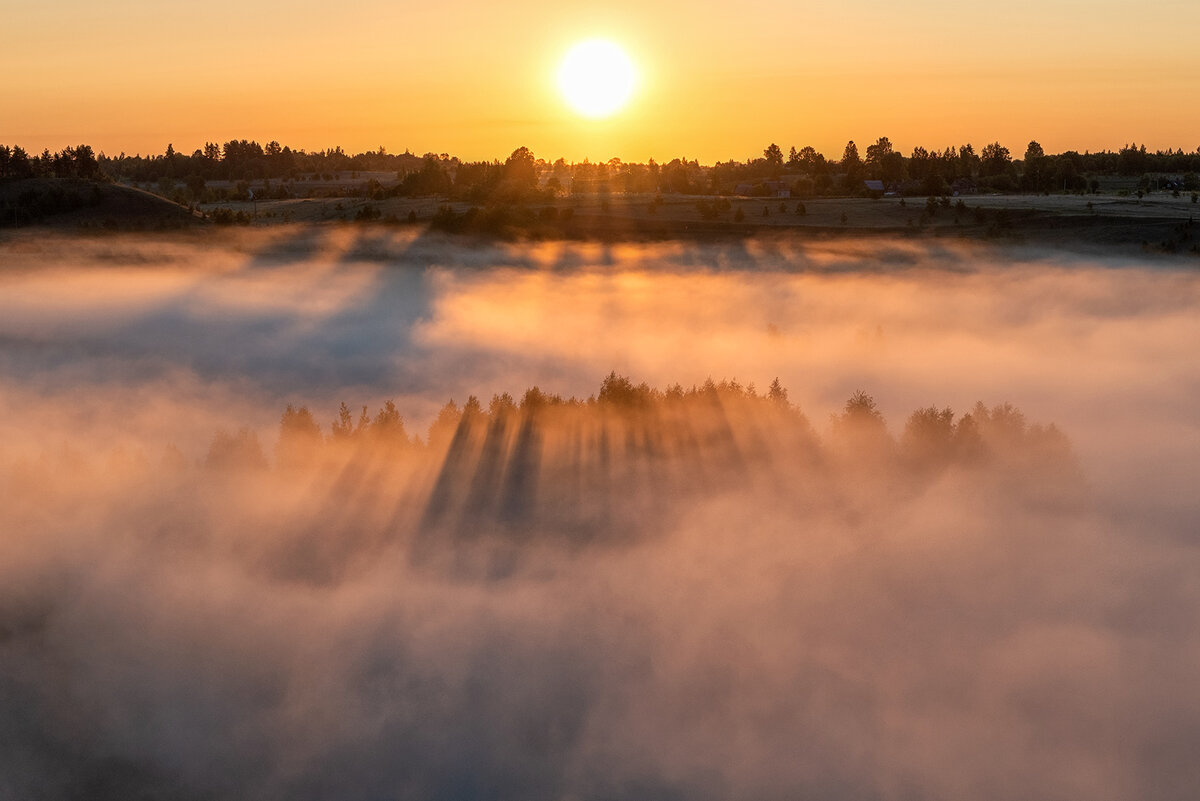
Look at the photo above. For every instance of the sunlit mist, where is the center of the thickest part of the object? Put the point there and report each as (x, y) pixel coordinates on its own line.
(364, 513)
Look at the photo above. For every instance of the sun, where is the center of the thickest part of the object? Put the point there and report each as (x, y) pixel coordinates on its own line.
(597, 78)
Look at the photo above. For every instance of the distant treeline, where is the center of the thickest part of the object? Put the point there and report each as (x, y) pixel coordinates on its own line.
(70, 162)
(242, 167)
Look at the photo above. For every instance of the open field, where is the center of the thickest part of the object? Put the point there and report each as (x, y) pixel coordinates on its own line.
(1158, 223)
(819, 212)
(1091, 222)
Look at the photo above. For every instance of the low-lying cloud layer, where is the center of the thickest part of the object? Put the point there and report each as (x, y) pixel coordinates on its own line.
(705, 593)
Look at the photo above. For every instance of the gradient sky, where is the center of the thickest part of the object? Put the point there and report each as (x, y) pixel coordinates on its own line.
(719, 80)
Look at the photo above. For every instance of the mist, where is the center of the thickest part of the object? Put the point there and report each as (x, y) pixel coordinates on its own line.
(697, 587)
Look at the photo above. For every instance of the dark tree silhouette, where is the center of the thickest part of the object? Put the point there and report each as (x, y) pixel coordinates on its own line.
(851, 164)
(299, 434)
(388, 427)
(774, 158)
(778, 394)
(995, 159)
(520, 170)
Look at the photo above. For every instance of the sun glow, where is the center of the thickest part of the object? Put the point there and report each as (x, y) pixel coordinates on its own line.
(596, 78)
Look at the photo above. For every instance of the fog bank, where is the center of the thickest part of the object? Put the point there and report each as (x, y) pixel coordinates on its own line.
(709, 592)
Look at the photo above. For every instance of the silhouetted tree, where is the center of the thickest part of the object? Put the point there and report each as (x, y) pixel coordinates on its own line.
(472, 407)
(860, 429)
(995, 159)
(861, 408)
(967, 444)
(620, 391)
(1033, 177)
(883, 161)
(299, 436)
(520, 171)
(928, 435)
(813, 161)
(388, 426)
(343, 427)
(774, 158)
(15, 163)
(851, 165)
(501, 405)
(968, 161)
(442, 429)
(1001, 426)
(431, 179)
(778, 394)
(85, 162)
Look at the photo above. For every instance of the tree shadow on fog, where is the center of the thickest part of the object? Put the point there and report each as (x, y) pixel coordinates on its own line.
(487, 486)
(305, 244)
(297, 244)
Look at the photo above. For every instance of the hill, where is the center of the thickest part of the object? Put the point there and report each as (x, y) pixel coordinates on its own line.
(78, 202)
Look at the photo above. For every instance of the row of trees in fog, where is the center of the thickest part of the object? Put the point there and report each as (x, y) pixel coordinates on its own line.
(711, 412)
(275, 170)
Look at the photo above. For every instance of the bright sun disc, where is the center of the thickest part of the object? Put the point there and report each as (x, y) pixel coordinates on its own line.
(596, 78)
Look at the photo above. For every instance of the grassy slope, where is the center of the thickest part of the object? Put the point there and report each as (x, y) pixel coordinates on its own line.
(59, 202)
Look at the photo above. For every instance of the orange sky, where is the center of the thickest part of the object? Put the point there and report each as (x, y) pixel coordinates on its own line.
(719, 80)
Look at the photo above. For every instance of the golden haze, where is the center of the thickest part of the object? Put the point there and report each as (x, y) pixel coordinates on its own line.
(715, 81)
